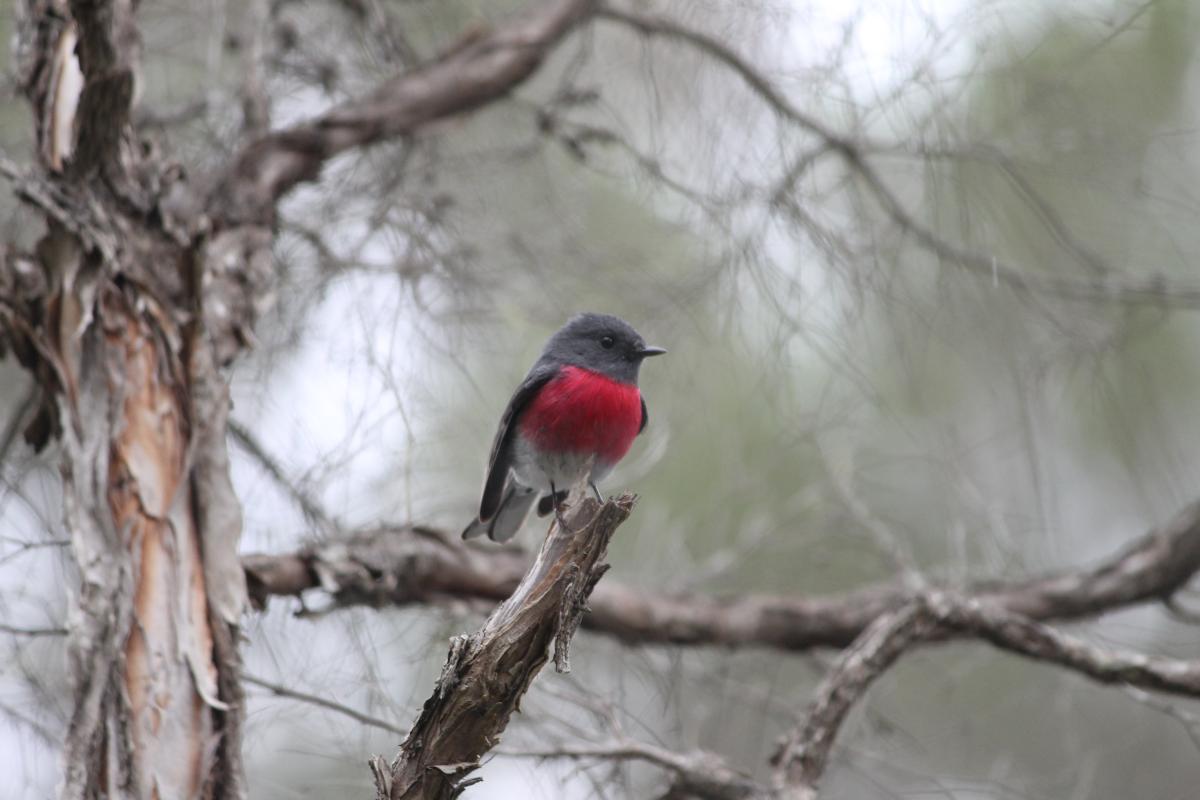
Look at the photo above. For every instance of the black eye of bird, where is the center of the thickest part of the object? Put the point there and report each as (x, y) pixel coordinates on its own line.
(607, 342)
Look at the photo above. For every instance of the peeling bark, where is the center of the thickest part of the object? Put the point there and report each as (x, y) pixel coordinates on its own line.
(487, 673)
(150, 707)
(130, 385)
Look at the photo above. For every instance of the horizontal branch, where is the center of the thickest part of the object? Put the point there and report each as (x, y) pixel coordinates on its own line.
(15, 630)
(1023, 636)
(418, 565)
(803, 754)
(481, 68)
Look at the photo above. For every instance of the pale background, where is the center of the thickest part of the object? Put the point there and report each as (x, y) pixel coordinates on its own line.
(812, 354)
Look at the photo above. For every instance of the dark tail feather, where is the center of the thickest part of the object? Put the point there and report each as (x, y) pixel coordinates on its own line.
(508, 518)
(546, 504)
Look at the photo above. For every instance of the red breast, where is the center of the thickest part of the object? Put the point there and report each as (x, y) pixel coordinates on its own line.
(585, 412)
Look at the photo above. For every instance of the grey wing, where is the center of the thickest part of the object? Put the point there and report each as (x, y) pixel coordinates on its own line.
(645, 416)
(501, 457)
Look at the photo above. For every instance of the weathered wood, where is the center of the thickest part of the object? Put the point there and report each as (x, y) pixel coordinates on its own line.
(487, 673)
(483, 67)
(400, 566)
(128, 382)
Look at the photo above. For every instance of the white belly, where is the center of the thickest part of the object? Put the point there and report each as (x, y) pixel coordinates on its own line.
(540, 468)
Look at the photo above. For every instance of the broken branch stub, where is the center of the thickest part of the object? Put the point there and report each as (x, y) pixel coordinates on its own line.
(487, 673)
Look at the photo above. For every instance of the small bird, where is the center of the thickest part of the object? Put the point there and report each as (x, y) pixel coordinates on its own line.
(574, 417)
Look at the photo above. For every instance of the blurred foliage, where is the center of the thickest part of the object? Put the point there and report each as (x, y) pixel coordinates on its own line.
(990, 434)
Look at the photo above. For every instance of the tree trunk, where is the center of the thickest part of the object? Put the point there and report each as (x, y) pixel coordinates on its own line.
(153, 716)
(107, 314)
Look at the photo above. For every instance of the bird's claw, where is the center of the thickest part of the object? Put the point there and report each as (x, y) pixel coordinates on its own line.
(558, 517)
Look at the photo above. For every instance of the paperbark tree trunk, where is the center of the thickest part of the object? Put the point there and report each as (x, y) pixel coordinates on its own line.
(157, 708)
(107, 313)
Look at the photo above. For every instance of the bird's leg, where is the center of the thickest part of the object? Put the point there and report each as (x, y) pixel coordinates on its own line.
(599, 496)
(562, 523)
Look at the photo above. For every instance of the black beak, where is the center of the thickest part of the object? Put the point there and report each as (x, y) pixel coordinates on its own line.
(650, 351)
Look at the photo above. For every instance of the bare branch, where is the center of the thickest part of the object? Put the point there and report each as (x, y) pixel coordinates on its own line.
(841, 478)
(1102, 287)
(486, 674)
(803, 755)
(1019, 634)
(1187, 720)
(23, 547)
(282, 691)
(386, 31)
(801, 758)
(476, 71)
(696, 774)
(402, 566)
(18, 631)
(311, 508)
(1180, 612)
(714, 48)
(1154, 290)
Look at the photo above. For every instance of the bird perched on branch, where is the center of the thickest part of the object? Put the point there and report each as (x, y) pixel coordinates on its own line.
(572, 419)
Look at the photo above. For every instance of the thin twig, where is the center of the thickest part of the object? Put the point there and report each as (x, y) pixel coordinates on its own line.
(18, 631)
(697, 774)
(23, 547)
(841, 477)
(1153, 290)
(311, 508)
(283, 691)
